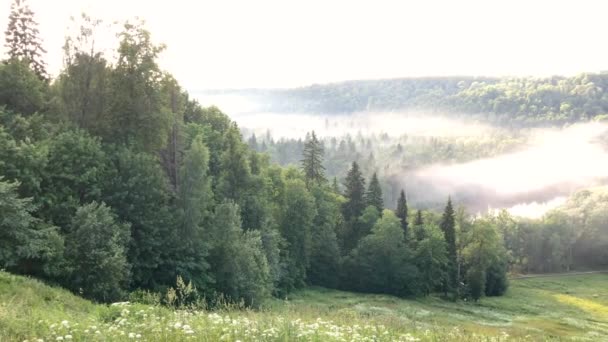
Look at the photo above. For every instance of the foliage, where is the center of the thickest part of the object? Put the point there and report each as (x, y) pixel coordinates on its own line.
(21, 91)
(25, 242)
(448, 227)
(381, 263)
(23, 38)
(312, 164)
(517, 101)
(373, 196)
(402, 213)
(95, 253)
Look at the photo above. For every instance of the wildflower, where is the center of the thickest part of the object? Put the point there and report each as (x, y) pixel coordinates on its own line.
(68, 337)
(97, 332)
(65, 323)
(59, 338)
(131, 335)
(138, 336)
(177, 325)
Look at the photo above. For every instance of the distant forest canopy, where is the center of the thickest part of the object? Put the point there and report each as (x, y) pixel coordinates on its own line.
(507, 101)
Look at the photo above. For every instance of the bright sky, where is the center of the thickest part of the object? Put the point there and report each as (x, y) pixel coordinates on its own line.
(282, 43)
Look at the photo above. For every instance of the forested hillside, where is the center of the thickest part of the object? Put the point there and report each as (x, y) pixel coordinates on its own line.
(115, 184)
(505, 101)
(114, 181)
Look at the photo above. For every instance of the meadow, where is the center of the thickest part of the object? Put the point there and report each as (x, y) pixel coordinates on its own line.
(534, 309)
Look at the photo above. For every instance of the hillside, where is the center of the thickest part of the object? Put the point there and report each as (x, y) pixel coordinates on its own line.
(513, 101)
(533, 309)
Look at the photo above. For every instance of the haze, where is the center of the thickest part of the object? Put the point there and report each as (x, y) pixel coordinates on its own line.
(272, 43)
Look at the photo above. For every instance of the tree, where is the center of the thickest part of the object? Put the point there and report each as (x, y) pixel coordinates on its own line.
(324, 267)
(373, 196)
(23, 38)
(237, 258)
(136, 178)
(26, 243)
(402, 213)
(139, 114)
(431, 258)
(354, 193)
(485, 260)
(21, 91)
(84, 85)
(73, 176)
(96, 253)
(297, 219)
(195, 202)
(334, 186)
(381, 263)
(419, 221)
(235, 172)
(448, 227)
(312, 162)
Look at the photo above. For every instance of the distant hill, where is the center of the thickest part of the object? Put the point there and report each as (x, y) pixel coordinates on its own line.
(552, 100)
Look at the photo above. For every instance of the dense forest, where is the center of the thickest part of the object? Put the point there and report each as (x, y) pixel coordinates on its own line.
(114, 183)
(513, 102)
(390, 157)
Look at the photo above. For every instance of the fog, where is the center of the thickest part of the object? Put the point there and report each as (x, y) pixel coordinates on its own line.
(538, 177)
(557, 163)
(246, 112)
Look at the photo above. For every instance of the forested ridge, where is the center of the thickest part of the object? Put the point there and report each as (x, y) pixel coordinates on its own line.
(116, 184)
(511, 101)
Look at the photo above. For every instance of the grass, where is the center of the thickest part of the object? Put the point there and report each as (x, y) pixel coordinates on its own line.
(550, 308)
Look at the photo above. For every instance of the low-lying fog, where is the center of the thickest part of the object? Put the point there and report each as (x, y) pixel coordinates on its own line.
(555, 163)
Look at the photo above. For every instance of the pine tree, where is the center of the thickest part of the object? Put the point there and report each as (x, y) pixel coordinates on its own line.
(312, 164)
(354, 193)
(402, 212)
(448, 227)
(373, 196)
(23, 40)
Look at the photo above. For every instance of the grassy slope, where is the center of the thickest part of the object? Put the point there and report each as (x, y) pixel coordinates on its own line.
(535, 309)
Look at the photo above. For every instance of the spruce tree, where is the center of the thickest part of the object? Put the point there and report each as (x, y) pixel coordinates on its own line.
(373, 196)
(402, 212)
(354, 193)
(448, 227)
(312, 163)
(23, 40)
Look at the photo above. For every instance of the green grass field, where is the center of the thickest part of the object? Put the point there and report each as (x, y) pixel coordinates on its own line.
(548, 308)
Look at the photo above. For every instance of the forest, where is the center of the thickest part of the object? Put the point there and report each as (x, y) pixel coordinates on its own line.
(117, 185)
(511, 102)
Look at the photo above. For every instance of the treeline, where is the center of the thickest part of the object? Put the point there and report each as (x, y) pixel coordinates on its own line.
(389, 156)
(113, 180)
(571, 237)
(507, 101)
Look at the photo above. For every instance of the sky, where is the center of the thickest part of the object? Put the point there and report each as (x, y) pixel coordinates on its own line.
(283, 43)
